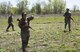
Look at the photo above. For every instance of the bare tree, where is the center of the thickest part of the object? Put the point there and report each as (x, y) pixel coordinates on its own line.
(75, 8)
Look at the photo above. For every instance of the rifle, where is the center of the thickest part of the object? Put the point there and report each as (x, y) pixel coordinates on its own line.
(72, 19)
(31, 28)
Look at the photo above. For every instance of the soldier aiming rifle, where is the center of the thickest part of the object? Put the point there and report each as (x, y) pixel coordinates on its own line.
(24, 24)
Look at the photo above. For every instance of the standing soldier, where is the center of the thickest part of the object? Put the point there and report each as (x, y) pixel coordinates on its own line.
(10, 24)
(25, 33)
(67, 19)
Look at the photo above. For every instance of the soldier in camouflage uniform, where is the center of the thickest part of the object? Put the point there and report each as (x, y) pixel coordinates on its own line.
(25, 33)
(10, 24)
(67, 19)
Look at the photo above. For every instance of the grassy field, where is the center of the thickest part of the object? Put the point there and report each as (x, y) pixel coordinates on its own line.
(47, 37)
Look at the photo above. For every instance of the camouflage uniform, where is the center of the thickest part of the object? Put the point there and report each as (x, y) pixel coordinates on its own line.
(10, 24)
(25, 33)
(67, 19)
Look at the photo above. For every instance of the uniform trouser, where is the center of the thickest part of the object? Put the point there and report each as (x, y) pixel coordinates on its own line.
(69, 24)
(25, 38)
(10, 25)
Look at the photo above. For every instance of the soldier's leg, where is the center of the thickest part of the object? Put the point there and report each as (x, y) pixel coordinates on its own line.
(12, 26)
(27, 38)
(65, 24)
(8, 27)
(23, 46)
(23, 37)
(69, 25)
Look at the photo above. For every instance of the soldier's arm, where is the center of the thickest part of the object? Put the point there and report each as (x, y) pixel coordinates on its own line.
(64, 14)
(27, 26)
(19, 23)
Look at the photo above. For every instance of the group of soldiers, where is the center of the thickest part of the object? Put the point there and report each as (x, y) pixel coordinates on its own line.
(24, 25)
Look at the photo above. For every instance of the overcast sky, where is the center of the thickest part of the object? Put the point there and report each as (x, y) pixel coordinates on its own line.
(69, 3)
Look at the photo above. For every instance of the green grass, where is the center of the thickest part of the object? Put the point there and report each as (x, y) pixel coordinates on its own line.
(47, 37)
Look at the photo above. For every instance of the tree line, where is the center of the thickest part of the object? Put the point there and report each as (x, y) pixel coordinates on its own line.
(53, 7)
